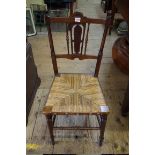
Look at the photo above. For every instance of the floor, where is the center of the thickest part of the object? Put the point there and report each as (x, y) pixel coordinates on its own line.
(113, 83)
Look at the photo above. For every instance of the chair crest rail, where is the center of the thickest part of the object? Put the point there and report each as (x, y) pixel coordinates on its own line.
(72, 20)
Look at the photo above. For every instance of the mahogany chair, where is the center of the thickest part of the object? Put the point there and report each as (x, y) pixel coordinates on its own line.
(76, 94)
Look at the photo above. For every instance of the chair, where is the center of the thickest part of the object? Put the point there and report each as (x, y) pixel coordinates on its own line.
(76, 94)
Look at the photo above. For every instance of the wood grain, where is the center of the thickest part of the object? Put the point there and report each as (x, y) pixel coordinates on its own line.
(75, 93)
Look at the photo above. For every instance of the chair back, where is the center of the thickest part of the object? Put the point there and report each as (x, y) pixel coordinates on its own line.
(77, 31)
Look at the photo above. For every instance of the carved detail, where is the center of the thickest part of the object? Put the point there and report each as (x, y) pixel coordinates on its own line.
(86, 40)
(77, 34)
(67, 38)
(84, 29)
(77, 38)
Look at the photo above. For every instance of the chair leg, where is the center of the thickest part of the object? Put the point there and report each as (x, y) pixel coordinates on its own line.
(103, 119)
(50, 122)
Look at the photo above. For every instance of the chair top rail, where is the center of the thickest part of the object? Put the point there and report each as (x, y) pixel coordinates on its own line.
(76, 20)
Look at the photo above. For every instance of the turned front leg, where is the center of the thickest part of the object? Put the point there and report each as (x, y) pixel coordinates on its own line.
(50, 122)
(103, 120)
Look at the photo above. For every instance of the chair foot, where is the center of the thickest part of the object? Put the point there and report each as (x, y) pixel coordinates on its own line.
(101, 141)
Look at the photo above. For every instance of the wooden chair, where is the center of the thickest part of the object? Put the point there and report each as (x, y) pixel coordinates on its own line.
(76, 94)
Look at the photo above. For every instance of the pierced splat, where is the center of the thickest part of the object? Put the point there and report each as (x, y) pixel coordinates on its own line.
(77, 35)
(77, 38)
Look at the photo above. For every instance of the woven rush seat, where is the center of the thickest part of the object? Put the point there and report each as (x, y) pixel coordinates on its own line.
(75, 93)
